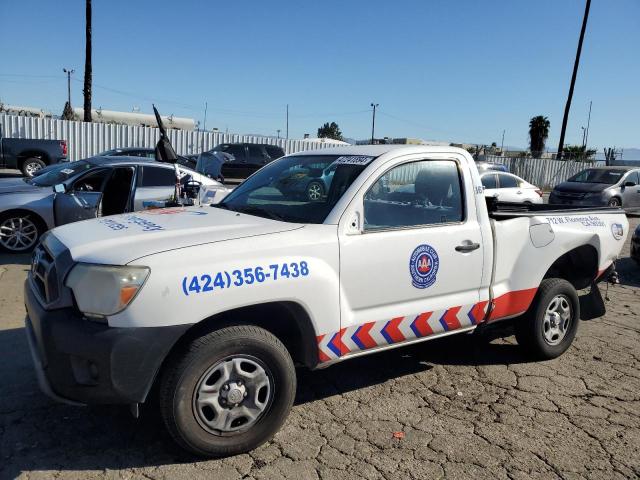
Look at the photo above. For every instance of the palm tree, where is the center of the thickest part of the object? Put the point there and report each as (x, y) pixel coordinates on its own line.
(87, 64)
(538, 134)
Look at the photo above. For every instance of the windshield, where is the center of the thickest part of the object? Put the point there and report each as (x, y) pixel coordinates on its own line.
(300, 189)
(597, 175)
(60, 173)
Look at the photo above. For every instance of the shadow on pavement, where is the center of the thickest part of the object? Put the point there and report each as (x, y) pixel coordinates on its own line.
(628, 272)
(37, 434)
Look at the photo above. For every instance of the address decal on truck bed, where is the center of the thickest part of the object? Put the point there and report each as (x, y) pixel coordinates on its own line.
(205, 283)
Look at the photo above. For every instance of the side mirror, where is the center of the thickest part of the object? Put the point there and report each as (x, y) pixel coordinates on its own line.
(191, 189)
(59, 188)
(629, 183)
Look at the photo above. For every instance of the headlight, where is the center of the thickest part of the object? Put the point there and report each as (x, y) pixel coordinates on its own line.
(102, 290)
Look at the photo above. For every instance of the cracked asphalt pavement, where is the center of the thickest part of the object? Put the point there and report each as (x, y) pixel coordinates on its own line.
(465, 407)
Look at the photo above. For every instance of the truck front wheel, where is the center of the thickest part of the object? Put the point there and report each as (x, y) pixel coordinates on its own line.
(550, 325)
(228, 391)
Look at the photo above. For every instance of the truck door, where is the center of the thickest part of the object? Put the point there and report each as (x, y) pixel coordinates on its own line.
(82, 198)
(154, 183)
(631, 194)
(415, 268)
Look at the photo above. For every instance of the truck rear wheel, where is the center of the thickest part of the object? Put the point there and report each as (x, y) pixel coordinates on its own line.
(31, 165)
(228, 391)
(550, 325)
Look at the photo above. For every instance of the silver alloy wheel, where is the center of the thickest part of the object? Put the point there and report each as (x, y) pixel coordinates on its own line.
(314, 191)
(18, 234)
(557, 320)
(32, 167)
(232, 395)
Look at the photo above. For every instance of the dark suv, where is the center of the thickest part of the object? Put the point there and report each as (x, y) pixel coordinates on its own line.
(247, 158)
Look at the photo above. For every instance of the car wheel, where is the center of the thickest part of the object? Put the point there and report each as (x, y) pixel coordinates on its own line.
(615, 202)
(550, 325)
(31, 166)
(315, 191)
(228, 391)
(19, 232)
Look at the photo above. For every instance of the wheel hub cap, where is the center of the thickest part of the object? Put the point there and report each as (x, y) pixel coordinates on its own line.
(232, 395)
(557, 320)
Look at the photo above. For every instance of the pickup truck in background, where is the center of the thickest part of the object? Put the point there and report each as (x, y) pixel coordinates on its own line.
(213, 306)
(30, 155)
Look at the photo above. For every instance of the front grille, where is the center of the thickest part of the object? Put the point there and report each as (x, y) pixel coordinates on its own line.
(44, 274)
(570, 195)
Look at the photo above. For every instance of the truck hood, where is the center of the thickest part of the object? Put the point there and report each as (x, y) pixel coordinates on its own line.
(18, 185)
(120, 239)
(579, 187)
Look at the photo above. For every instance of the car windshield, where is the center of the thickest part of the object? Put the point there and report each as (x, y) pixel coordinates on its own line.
(60, 173)
(598, 175)
(299, 189)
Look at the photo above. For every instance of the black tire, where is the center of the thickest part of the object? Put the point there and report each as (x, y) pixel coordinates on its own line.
(20, 231)
(314, 191)
(187, 372)
(615, 202)
(531, 327)
(31, 165)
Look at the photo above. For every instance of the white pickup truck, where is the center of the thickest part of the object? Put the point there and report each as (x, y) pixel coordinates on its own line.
(318, 257)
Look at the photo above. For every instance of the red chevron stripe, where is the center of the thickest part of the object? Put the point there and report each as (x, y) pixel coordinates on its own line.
(420, 324)
(451, 318)
(323, 357)
(512, 303)
(363, 335)
(477, 312)
(337, 342)
(392, 329)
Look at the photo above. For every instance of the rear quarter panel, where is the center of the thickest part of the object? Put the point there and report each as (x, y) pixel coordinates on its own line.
(521, 265)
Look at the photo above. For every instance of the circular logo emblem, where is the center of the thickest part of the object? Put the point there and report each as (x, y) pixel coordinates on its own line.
(423, 266)
(617, 230)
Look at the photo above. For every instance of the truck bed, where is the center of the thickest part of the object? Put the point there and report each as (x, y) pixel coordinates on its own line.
(505, 210)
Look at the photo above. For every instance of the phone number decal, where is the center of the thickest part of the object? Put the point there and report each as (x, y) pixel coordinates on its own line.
(206, 283)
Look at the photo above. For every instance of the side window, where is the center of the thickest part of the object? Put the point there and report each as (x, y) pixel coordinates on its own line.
(92, 181)
(633, 177)
(489, 181)
(414, 194)
(237, 151)
(274, 152)
(507, 181)
(157, 177)
(256, 154)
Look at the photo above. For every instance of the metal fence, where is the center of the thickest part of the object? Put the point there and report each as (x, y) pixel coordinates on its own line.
(542, 172)
(87, 139)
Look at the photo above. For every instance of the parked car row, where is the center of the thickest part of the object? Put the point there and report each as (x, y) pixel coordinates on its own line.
(95, 187)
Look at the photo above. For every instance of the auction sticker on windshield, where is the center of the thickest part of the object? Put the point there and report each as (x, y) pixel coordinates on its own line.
(354, 160)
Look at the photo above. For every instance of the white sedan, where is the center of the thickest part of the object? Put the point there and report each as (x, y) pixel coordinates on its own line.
(507, 187)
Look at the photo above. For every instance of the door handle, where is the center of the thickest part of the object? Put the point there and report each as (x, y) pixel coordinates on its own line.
(467, 247)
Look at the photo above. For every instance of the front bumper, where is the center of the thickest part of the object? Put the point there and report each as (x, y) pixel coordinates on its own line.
(82, 362)
(596, 201)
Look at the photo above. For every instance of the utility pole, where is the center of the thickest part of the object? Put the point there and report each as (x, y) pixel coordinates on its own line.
(287, 134)
(88, 68)
(204, 127)
(373, 122)
(573, 80)
(68, 72)
(584, 132)
(502, 143)
(586, 138)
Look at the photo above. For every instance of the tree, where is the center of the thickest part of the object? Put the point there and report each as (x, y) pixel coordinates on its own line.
(578, 152)
(67, 113)
(330, 130)
(88, 68)
(538, 134)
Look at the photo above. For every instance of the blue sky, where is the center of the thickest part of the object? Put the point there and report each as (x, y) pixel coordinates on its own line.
(442, 70)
